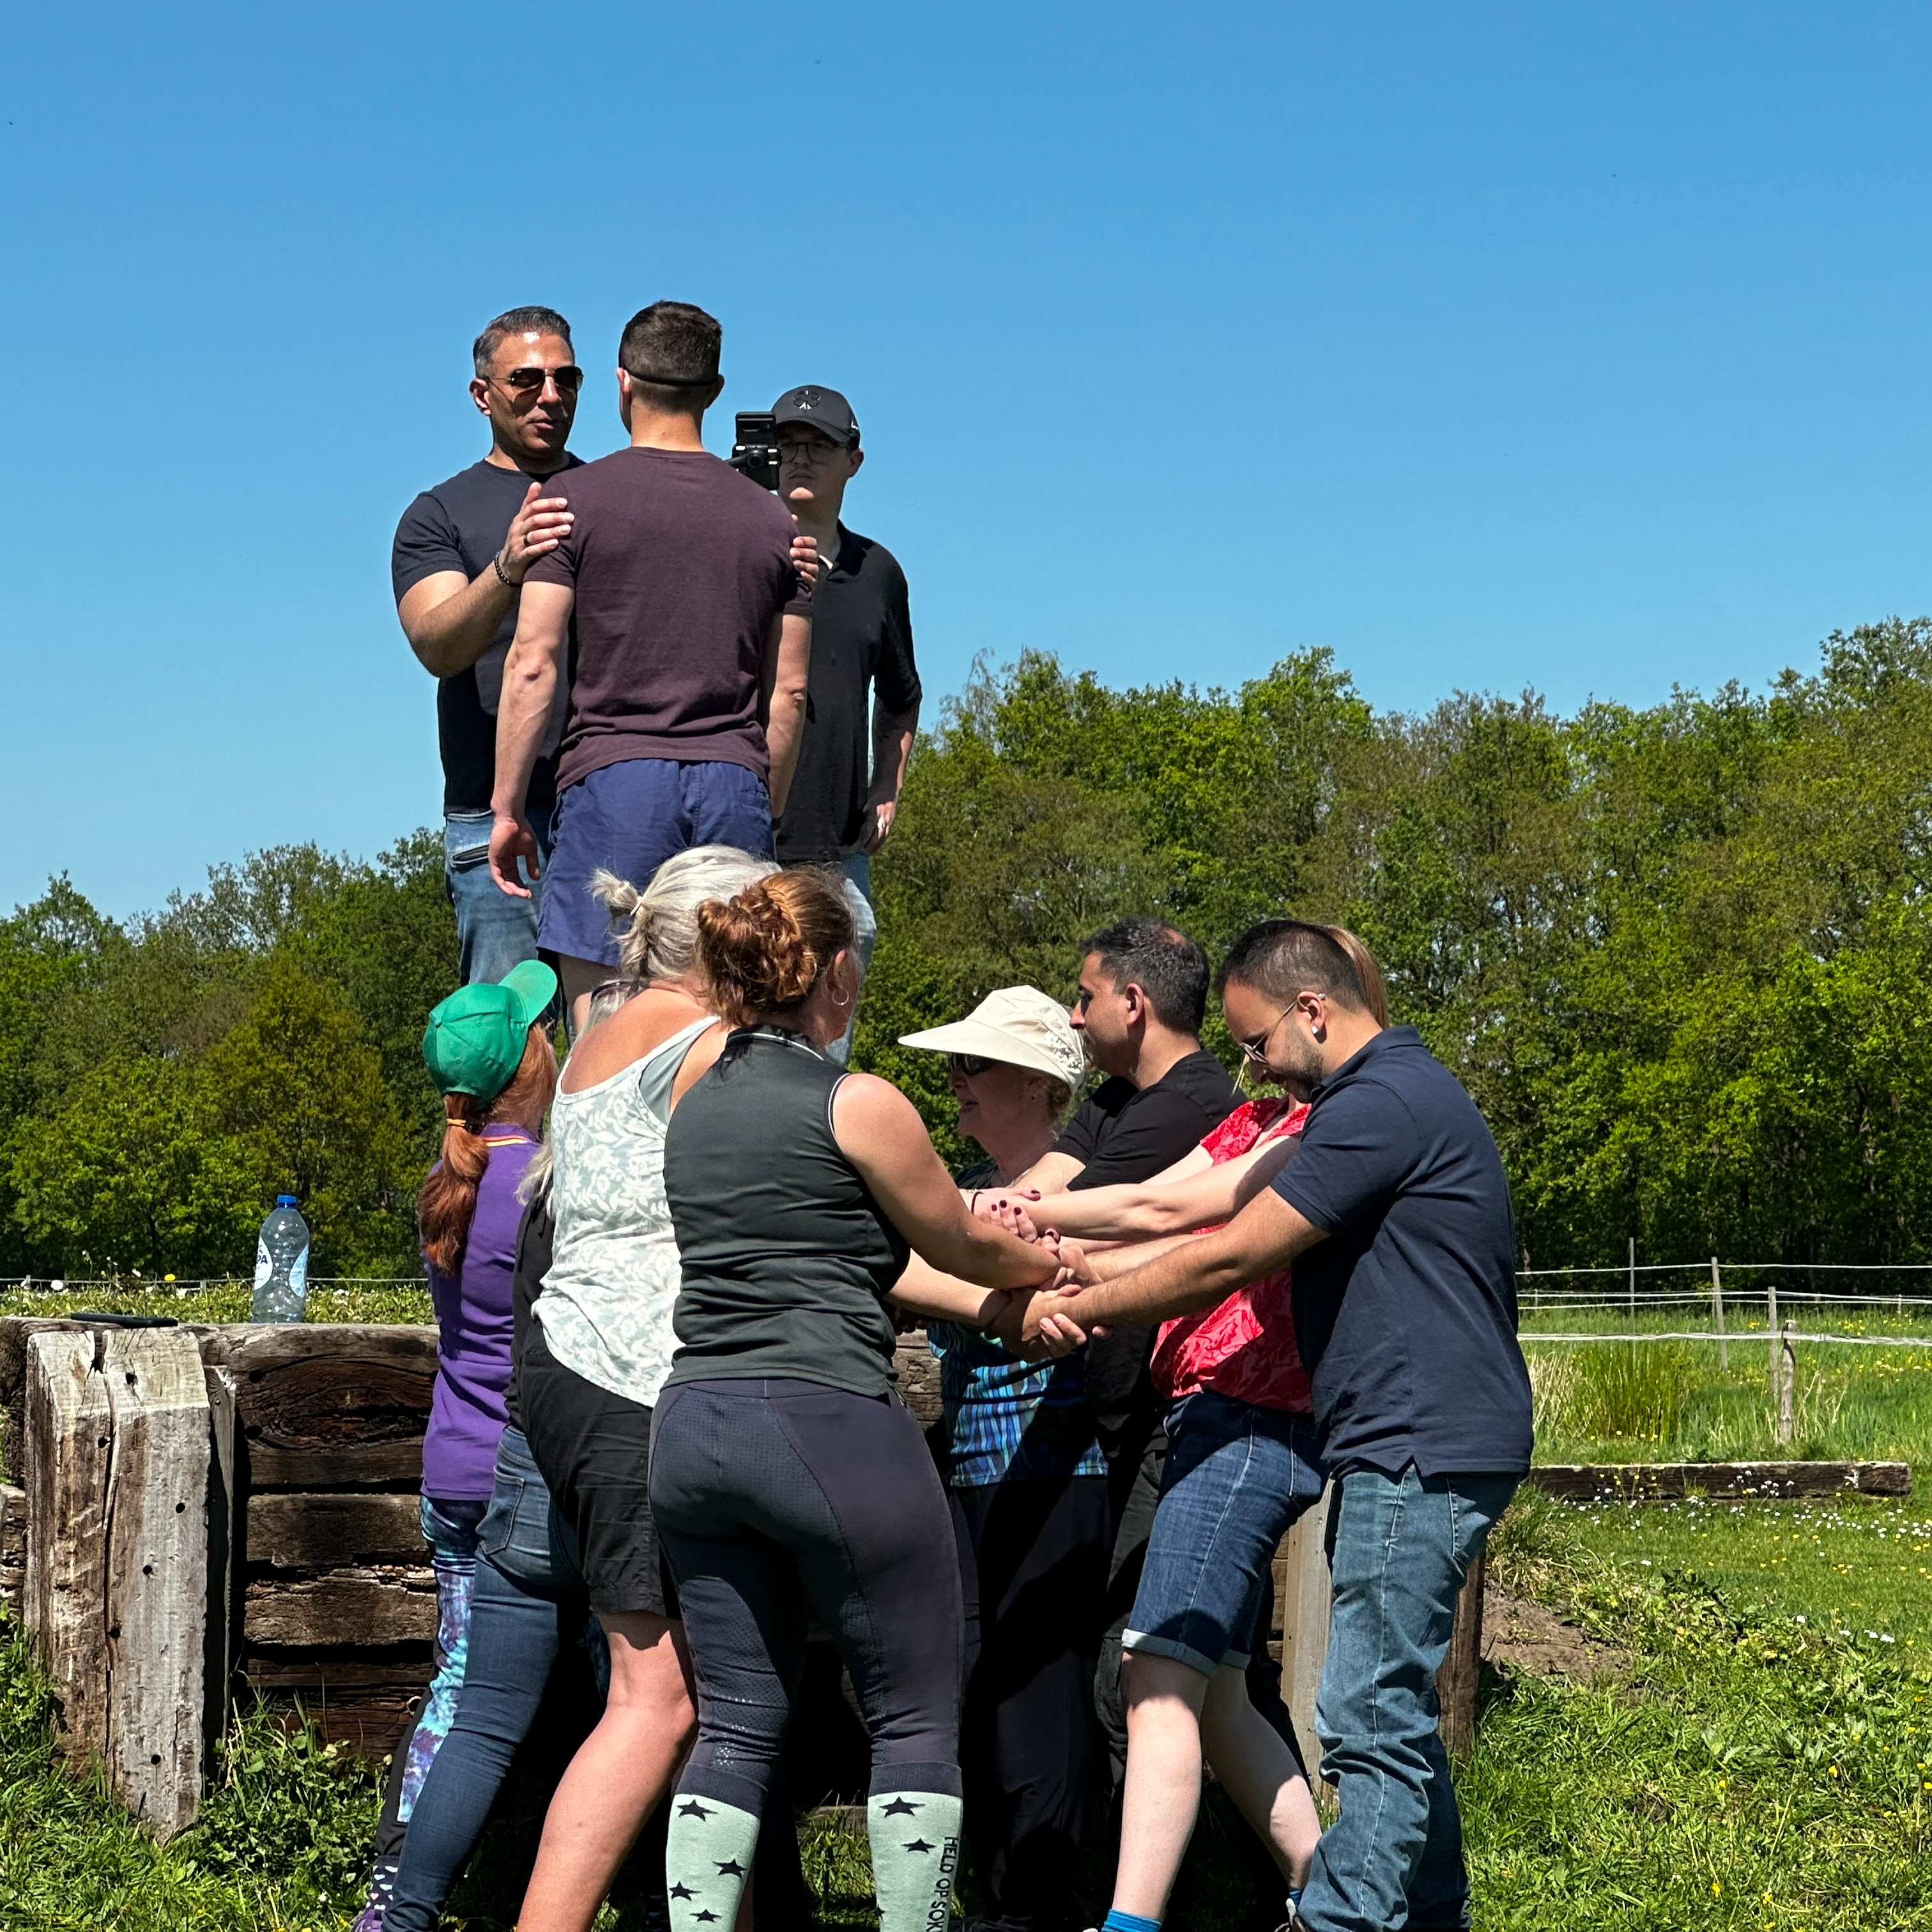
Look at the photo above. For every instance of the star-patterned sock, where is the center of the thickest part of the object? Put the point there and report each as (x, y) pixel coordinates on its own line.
(915, 1838)
(708, 1852)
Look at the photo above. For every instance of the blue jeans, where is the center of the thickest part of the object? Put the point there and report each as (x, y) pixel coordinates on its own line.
(526, 1603)
(857, 867)
(493, 932)
(1236, 1478)
(1398, 1549)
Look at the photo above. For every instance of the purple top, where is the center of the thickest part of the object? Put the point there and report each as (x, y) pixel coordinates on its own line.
(476, 1324)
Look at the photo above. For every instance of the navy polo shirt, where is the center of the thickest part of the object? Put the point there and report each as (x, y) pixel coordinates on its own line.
(1406, 1313)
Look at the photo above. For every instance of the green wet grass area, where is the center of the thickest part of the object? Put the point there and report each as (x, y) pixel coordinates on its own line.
(1664, 1400)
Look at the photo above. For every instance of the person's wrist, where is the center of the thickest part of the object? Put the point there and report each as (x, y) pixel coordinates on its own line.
(503, 576)
(995, 1309)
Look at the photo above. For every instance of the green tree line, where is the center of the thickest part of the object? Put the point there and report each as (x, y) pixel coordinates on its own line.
(1682, 956)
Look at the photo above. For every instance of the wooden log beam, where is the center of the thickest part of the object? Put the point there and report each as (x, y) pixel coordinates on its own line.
(326, 1405)
(1647, 1482)
(68, 1432)
(157, 1595)
(333, 1532)
(365, 1605)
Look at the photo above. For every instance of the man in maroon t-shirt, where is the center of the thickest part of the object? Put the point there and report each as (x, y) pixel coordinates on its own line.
(693, 628)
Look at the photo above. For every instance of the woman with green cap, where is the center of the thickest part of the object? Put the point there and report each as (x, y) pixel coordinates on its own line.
(488, 1050)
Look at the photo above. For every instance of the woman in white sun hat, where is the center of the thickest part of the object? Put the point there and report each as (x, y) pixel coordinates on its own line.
(1028, 1490)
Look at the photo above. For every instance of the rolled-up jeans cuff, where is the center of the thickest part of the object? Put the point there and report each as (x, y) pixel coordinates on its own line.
(1141, 1642)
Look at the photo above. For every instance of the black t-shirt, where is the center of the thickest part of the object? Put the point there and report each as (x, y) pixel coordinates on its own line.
(861, 636)
(1126, 1133)
(1406, 1314)
(460, 525)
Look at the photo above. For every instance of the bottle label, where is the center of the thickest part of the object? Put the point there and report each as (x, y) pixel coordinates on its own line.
(264, 1266)
(298, 1275)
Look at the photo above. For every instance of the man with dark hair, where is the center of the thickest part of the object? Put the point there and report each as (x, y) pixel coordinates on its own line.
(845, 794)
(462, 552)
(683, 582)
(1395, 1213)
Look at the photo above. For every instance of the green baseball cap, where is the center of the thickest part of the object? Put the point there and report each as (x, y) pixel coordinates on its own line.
(474, 1042)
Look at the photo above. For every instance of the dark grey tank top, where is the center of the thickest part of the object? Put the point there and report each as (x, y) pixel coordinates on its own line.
(785, 1256)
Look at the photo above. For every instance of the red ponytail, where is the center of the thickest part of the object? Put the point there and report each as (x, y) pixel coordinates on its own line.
(448, 1203)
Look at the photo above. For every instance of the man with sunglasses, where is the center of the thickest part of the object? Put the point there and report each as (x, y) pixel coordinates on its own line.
(461, 552)
(845, 793)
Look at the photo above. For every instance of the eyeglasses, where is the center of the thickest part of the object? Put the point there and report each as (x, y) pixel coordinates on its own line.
(569, 378)
(1254, 1052)
(806, 448)
(969, 1065)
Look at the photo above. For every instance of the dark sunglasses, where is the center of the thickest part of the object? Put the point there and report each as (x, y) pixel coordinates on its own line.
(569, 379)
(969, 1064)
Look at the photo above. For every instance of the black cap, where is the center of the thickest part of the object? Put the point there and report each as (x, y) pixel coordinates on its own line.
(825, 410)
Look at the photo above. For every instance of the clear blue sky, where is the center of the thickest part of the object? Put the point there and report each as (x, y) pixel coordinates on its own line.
(1581, 347)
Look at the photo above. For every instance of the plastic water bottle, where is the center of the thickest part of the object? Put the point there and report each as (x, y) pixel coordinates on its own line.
(281, 1265)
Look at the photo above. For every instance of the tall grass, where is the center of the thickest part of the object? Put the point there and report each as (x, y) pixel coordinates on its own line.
(1640, 1401)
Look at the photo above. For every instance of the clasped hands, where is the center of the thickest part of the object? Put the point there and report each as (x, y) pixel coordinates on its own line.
(1035, 1324)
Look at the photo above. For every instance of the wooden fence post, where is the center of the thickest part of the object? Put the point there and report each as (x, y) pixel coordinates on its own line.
(69, 1431)
(1455, 1682)
(1771, 1323)
(1787, 1378)
(157, 1599)
(1301, 1589)
(1717, 1313)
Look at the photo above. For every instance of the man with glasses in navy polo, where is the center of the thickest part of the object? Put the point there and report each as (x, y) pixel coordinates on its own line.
(1394, 1213)
(461, 552)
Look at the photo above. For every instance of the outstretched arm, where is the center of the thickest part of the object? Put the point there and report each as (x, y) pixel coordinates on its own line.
(1264, 1236)
(1200, 1198)
(879, 1132)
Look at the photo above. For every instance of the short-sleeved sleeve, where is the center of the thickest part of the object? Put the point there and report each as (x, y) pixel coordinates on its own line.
(895, 683)
(426, 543)
(1360, 1144)
(559, 566)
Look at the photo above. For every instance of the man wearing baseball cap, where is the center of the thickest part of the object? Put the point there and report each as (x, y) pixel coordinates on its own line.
(845, 793)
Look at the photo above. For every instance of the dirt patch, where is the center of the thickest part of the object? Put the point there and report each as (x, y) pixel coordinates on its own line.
(1518, 1636)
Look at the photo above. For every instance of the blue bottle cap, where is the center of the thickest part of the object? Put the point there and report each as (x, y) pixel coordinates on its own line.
(285, 1200)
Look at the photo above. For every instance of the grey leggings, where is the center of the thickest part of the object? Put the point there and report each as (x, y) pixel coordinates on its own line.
(778, 1499)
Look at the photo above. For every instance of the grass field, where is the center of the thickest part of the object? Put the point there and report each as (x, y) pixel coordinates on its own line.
(1752, 1750)
(1746, 1744)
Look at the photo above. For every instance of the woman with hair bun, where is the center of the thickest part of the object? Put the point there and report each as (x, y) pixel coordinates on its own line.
(599, 1349)
(786, 1477)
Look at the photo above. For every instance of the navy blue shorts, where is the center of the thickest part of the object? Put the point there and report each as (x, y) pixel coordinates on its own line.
(629, 819)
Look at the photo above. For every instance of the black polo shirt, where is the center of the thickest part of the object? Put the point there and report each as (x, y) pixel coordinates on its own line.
(861, 639)
(1406, 1314)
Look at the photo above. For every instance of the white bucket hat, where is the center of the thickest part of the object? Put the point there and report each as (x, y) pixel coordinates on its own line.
(1018, 1025)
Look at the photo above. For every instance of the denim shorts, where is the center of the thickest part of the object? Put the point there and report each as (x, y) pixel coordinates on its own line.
(629, 818)
(1237, 1477)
